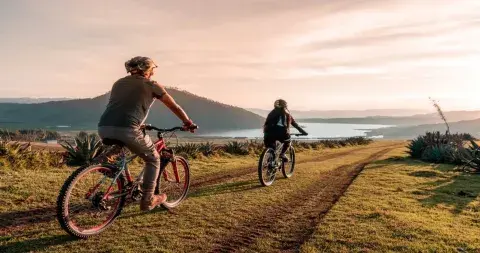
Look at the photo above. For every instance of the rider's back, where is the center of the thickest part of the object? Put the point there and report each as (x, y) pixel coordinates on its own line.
(130, 100)
(278, 120)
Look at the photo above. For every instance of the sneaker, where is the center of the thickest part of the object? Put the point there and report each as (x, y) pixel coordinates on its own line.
(284, 158)
(154, 201)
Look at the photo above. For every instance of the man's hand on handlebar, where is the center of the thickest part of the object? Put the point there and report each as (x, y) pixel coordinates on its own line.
(190, 126)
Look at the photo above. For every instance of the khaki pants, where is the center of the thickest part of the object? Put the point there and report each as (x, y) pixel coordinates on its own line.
(140, 144)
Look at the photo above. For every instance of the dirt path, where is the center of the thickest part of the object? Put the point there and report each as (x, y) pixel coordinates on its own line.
(15, 221)
(222, 176)
(293, 221)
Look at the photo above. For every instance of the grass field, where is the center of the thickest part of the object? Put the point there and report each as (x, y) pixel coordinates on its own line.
(394, 204)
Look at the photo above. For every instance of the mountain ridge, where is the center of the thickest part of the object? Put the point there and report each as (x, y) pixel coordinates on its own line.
(303, 114)
(83, 114)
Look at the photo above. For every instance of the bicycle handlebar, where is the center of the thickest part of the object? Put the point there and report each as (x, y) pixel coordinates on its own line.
(163, 130)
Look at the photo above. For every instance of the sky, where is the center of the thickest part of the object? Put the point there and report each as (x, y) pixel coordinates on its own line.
(316, 54)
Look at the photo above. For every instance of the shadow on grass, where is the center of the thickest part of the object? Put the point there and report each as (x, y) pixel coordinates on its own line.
(447, 186)
(458, 191)
(201, 192)
(27, 217)
(38, 244)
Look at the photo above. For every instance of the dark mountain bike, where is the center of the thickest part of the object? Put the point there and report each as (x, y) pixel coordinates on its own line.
(94, 196)
(270, 162)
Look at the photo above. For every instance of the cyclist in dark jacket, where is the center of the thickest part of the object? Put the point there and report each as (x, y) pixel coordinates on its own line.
(277, 127)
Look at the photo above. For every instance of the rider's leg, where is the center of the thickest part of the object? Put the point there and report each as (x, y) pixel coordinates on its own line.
(269, 141)
(286, 145)
(142, 145)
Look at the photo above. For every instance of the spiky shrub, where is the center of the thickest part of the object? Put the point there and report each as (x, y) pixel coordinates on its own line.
(470, 156)
(85, 149)
(360, 140)
(329, 143)
(236, 148)
(438, 148)
(315, 144)
(443, 153)
(190, 150)
(15, 154)
(255, 147)
(207, 148)
(416, 147)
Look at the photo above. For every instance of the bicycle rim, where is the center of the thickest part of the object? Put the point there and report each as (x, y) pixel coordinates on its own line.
(175, 181)
(288, 167)
(266, 172)
(86, 206)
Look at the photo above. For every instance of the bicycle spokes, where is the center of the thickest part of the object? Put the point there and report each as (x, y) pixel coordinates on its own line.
(92, 200)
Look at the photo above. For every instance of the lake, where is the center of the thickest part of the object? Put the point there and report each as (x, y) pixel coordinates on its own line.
(314, 130)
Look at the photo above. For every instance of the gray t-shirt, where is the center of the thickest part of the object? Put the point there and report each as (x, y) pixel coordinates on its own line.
(130, 101)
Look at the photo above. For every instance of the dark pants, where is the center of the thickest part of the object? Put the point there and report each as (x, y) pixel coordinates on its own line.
(270, 138)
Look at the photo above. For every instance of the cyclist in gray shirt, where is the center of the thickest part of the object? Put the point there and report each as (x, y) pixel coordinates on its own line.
(130, 100)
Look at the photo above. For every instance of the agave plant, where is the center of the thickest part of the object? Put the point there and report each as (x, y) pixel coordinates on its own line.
(416, 147)
(84, 151)
(188, 149)
(470, 156)
(443, 153)
(207, 148)
(236, 148)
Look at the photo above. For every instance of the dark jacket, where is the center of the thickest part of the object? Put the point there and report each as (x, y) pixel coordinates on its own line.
(279, 121)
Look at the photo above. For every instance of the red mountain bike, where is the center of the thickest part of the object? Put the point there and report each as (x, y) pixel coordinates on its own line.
(94, 196)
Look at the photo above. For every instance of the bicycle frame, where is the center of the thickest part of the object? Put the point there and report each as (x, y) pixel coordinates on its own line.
(122, 165)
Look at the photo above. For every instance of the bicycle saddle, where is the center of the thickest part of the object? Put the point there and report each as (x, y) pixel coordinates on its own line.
(111, 142)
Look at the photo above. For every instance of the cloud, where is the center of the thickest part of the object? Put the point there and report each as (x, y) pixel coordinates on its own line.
(223, 48)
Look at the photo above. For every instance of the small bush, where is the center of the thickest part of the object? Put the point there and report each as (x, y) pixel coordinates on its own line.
(416, 147)
(470, 156)
(207, 148)
(255, 147)
(29, 135)
(189, 150)
(436, 147)
(236, 148)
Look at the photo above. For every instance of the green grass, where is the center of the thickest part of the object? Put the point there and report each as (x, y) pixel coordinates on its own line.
(392, 205)
(403, 205)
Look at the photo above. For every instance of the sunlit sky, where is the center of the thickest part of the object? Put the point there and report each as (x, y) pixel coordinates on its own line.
(317, 54)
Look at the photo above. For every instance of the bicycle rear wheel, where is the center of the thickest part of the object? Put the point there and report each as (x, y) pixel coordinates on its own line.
(90, 200)
(266, 168)
(288, 167)
(175, 181)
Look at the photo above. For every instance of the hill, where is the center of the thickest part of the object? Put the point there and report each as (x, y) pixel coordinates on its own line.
(420, 119)
(83, 114)
(408, 132)
(345, 113)
(27, 100)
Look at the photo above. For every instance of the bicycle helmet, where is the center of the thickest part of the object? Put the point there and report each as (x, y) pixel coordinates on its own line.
(139, 64)
(280, 103)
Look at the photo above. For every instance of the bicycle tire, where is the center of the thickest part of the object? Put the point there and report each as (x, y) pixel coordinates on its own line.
(64, 196)
(167, 204)
(262, 180)
(292, 161)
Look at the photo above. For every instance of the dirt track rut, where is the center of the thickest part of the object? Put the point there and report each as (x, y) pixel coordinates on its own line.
(15, 221)
(219, 177)
(295, 220)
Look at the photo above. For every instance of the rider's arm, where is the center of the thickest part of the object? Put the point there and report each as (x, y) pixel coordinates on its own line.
(161, 94)
(295, 124)
(175, 108)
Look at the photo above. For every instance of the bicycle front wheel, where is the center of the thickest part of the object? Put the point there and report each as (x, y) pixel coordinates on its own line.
(175, 181)
(288, 167)
(90, 200)
(266, 167)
